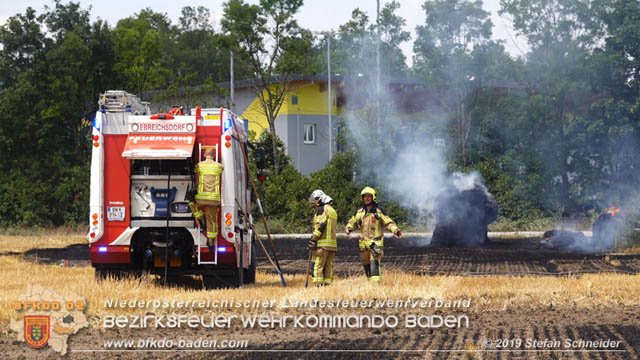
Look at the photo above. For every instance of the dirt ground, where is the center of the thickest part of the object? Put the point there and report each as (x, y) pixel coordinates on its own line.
(613, 324)
(499, 257)
(512, 257)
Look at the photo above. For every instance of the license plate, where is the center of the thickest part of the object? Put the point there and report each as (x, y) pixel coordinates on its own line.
(174, 261)
(115, 213)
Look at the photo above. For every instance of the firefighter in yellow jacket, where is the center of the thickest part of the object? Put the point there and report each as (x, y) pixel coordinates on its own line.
(323, 240)
(371, 220)
(207, 198)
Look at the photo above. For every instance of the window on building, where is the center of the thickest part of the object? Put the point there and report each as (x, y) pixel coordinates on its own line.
(310, 134)
(294, 100)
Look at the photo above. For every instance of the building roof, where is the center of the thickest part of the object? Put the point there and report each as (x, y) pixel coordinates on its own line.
(337, 78)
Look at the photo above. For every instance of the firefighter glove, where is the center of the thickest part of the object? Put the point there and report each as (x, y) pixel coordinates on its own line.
(191, 195)
(375, 250)
(313, 243)
(399, 233)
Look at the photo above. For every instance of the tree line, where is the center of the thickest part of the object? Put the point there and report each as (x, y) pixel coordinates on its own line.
(554, 131)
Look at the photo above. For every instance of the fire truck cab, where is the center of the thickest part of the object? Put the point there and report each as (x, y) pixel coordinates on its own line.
(142, 175)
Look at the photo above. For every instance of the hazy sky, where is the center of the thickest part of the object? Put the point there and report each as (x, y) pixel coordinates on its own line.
(315, 14)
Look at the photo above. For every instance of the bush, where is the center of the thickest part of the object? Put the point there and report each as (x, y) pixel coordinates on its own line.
(285, 197)
(335, 181)
(628, 234)
(525, 224)
(265, 142)
(45, 197)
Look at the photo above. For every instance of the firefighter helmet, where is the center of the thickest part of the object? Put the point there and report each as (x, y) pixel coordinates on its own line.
(316, 196)
(370, 191)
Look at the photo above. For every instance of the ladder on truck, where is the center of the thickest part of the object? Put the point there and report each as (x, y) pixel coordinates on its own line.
(122, 101)
(215, 242)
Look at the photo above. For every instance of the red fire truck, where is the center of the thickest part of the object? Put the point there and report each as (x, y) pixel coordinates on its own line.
(142, 175)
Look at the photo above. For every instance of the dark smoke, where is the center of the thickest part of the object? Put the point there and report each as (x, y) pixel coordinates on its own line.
(463, 216)
(604, 234)
(565, 240)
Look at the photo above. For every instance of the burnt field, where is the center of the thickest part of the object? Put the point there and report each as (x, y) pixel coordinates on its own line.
(499, 257)
(538, 299)
(410, 255)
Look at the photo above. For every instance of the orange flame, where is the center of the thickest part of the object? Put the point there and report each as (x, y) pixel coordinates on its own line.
(613, 210)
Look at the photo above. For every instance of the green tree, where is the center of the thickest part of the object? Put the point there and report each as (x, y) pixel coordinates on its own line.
(264, 142)
(256, 35)
(47, 89)
(561, 43)
(336, 179)
(353, 46)
(65, 18)
(193, 18)
(23, 44)
(102, 62)
(614, 117)
(454, 35)
(197, 53)
(139, 47)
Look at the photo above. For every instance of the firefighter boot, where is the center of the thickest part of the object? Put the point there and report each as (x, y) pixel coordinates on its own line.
(375, 270)
(210, 242)
(367, 270)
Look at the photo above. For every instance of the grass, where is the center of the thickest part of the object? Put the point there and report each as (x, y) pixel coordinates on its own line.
(58, 238)
(17, 230)
(631, 250)
(486, 293)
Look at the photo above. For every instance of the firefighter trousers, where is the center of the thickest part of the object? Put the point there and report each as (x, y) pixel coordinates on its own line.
(210, 208)
(323, 266)
(372, 263)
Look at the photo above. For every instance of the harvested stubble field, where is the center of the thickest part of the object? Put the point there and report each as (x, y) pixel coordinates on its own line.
(515, 291)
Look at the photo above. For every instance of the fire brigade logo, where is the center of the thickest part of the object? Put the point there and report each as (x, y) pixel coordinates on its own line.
(36, 330)
(48, 319)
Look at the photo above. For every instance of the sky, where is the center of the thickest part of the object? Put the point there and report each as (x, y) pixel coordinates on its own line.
(316, 15)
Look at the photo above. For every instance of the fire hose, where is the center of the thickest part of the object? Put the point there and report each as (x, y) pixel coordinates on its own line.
(257, 236)
(264, 220)
(306, 277)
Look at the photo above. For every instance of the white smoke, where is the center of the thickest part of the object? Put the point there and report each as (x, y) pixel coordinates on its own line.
(464, 182)
(403, 152)
(407, 157)
(417, 176)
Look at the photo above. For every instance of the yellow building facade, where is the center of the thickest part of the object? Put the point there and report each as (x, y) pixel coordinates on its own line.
(305, 97)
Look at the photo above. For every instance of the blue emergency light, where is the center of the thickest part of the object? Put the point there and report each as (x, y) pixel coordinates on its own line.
(102, 249)
(222, 249)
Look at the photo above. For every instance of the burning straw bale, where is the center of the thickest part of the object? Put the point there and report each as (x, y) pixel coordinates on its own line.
(605, 230)
(565, 240)
(463, 216)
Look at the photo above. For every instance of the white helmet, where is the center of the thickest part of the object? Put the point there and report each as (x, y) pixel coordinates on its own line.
(318, 196)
